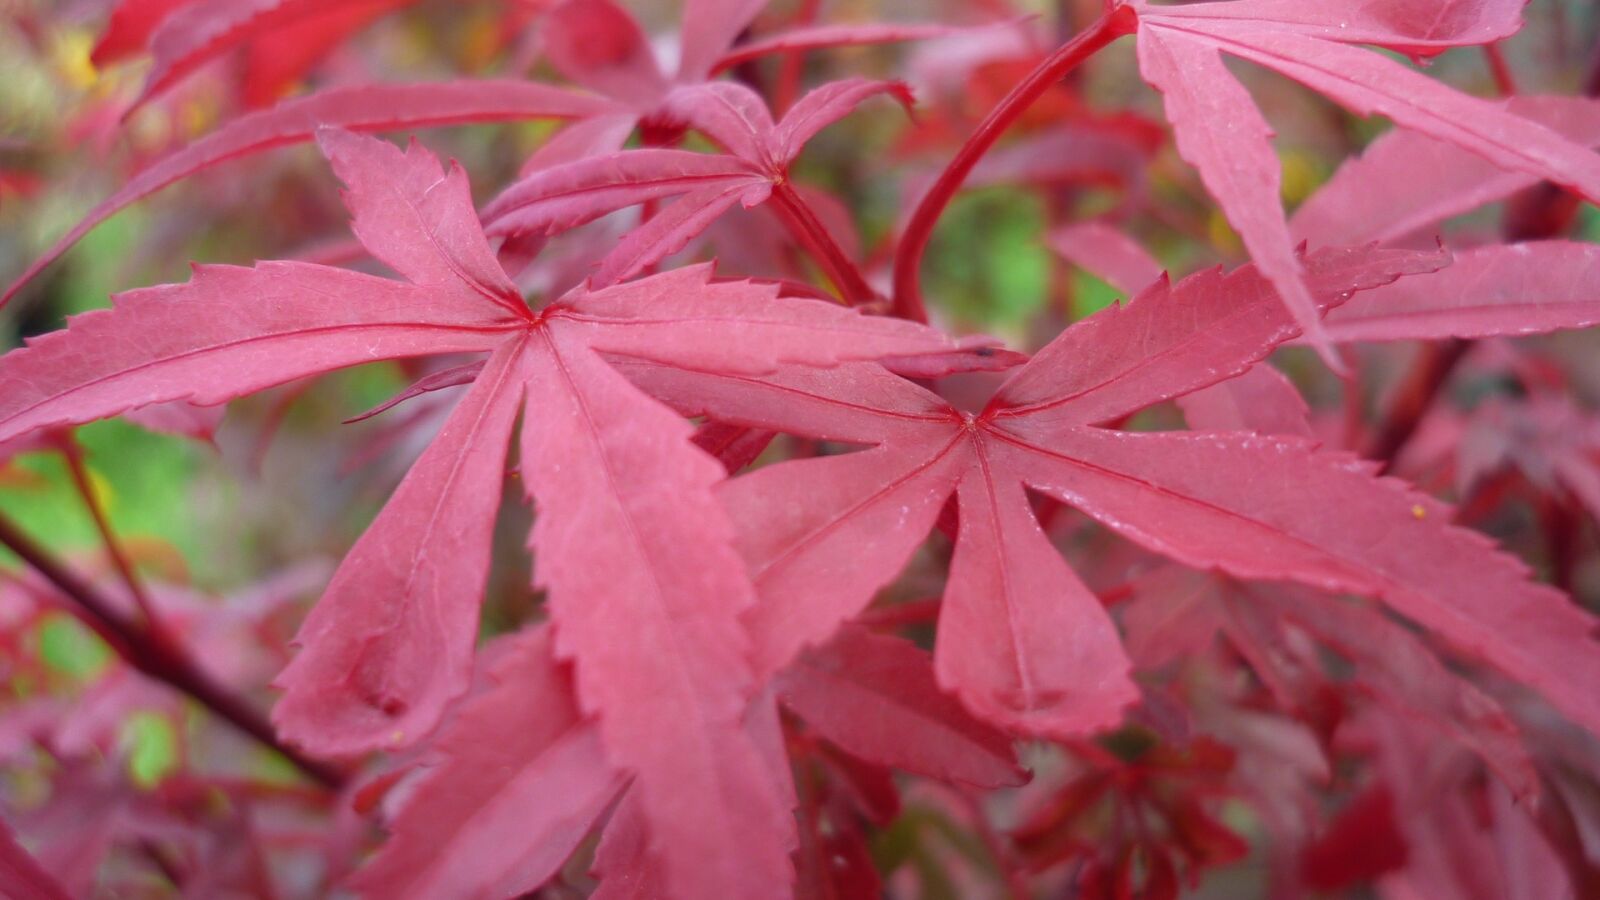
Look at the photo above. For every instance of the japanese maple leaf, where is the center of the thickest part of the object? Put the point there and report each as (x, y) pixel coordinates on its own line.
(1497, 290)
(522, 744)
(756, 168)
(632, 547)
(876, 696)
(1021, 640)
(1494, 290)
(1220, 131)
(520, 747)
(1108, 254)
(1406, 182)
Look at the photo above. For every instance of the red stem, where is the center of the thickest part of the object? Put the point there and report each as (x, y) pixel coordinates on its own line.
(812, 235)
(119, 559)
(1414, 398)
(1504, 81)
(914, 243)
(157, 659)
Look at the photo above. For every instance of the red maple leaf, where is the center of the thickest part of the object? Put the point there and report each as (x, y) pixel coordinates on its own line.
(1021, 640)
(1220, 131)
(633, 548)
(558, 197)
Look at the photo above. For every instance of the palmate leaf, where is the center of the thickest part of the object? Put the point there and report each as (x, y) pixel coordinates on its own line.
(634, 549)
(1020, 640)
(564, 195)
(463, 829)
(519, 747)
(876, 697)
(1220, 131)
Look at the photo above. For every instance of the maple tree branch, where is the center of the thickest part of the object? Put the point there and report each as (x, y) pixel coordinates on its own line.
(158, 659)
(1414, 398)
(919, 230)
(1504, 81)
(73, 454)
(814, 236)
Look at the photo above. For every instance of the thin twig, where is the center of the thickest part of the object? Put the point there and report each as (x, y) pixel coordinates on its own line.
(68, 445)
(1504, 81)
(161, 661)
(919, 230)
(1414, 398)
(814, 236)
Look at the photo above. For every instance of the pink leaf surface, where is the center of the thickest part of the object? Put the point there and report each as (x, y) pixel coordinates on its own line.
(1107, 253)
(647, 594)
(598, 45)
(390, 643)
(1243, 504)
(1499, 290)
(671, 229)
(730, 114)
(1171, 338)
(1410, 26)
(709, 28)
(876, 697)
(644, 584)
(1022, 640)
(1368, 83)
(826, 105)
(593, 136)
(1261, 400)
(419, 222)
(622, 861)
(1405, 181)
(555, 199)
(300, 320)
(796, 520)
(1220, 132)
(518, 780)
(181, 419)
(364, 108)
